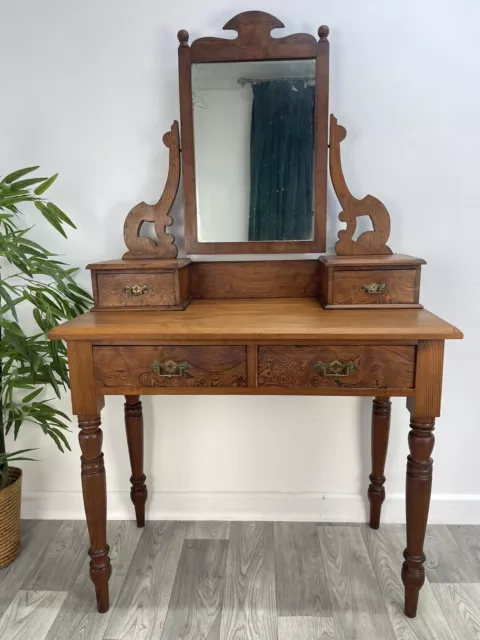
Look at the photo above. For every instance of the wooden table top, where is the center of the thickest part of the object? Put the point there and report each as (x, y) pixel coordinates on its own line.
(272, 319)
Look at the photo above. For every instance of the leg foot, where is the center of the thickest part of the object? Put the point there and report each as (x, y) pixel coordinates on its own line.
(95, 500)
(419, 487)
(134, 429)
(380, 433)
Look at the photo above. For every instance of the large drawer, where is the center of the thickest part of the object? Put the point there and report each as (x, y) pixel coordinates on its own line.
(170, 366)
(356, 367)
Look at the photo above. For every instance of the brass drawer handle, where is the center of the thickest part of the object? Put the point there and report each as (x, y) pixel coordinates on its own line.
(136, 290)
(374, 287)
(170, 369)
(335, 369)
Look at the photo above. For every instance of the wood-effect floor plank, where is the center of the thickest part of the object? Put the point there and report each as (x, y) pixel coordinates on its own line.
(141, 608)
(60, 563)
(79, 612)
(445, 561)
(203, 530)
(357, 604)
(300, 580)
(385, 548)
(31, 614)
(461, 606)
(306, 628)
(468, 539)
(36, 534)
(195, 609)
(249, 606)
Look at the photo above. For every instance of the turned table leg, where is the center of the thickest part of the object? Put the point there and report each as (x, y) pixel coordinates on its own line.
(134, 429)
(419, 487)
(95, 500)
(379, 446)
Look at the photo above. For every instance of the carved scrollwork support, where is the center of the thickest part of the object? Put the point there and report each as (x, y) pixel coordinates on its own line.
(370, 242)
(159, 213)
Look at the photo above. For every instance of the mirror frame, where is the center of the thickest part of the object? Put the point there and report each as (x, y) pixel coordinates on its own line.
(254, 42)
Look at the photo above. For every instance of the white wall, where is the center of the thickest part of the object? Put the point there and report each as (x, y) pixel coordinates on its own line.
(89, 88)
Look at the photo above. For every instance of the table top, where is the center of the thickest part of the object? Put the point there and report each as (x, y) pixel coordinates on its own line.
(272, 319)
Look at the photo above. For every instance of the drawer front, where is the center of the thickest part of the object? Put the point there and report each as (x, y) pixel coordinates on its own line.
(170, 366)
(135, 289)
(375, 286)
(353, 367)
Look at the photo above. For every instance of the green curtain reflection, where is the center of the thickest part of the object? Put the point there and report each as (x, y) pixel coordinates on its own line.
(281, 160)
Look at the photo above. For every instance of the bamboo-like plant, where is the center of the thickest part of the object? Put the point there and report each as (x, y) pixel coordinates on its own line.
(38, 280)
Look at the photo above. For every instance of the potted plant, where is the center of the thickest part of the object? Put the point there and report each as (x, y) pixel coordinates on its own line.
(33, 283)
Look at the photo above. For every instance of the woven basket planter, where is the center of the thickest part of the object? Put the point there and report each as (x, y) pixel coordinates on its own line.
(10, 517)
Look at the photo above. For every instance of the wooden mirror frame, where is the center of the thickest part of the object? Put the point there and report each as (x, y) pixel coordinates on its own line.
(254, 42)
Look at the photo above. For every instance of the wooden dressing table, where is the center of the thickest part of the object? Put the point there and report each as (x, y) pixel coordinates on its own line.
(348, 324)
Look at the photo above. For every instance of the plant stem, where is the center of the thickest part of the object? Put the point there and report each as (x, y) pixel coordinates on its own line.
(3, 450)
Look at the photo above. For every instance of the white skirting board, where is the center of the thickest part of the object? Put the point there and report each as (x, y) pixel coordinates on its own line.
(300, 507)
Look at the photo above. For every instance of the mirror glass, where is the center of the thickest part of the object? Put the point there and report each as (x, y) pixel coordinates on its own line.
(254, 134)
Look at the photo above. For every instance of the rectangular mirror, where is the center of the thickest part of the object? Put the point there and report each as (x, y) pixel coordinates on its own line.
(254, 133)
(254, 114)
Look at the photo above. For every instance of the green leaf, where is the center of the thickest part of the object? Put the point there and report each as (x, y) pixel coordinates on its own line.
(6, 296)
(45, 185)
(23, 184)
(32, 395)
(51, 219)
(63, 216)
(18, 174)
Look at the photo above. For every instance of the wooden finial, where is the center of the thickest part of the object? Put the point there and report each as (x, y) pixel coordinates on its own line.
(183, 36)
(323, 32)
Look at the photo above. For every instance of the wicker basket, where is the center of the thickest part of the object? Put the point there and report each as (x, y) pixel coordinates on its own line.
(10, 517)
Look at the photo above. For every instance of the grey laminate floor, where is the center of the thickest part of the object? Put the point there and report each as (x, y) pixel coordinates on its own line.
(240, 581)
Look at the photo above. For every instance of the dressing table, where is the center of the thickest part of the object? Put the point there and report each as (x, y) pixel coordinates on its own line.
(255, 151)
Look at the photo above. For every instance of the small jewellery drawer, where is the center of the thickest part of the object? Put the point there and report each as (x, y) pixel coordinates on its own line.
(170, 366)
(376, 286)
(356, 367)
(135, 289)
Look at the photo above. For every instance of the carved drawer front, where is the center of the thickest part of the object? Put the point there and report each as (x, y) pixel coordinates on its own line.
(170, 366)
(355, 367)
(375, 286)
(135, 289)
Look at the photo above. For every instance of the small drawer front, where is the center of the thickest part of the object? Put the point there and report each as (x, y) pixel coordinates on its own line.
(376, 286)
(135, 289)
(170, 366)
(353, 367)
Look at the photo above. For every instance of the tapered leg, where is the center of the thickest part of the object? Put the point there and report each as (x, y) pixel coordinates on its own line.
(95, 500)
(380, 433)
(134, 429)
(419, 487)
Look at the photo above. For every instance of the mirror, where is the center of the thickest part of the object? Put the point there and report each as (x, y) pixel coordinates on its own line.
(254, 139)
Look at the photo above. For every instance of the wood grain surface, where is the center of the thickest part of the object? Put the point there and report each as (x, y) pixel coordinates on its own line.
(385, 548)
(210, 366)
(142, 605)
(258, 320)
(444, 561)
(300, 580)
(400, 286)
(79, 613)
(461, 604)
(307, 628)
(206, 530)
(36, 535)
(195, 609)
(254, 279)
(466, 537)
(357, 603)
(249, 609)
(31, 614)
(62, 559)
(111, 289)
(377, 367)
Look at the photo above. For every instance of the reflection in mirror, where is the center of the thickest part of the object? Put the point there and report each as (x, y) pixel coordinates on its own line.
(254, 131)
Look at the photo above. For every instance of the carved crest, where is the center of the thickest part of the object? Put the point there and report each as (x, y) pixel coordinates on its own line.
(159, 213)
(370, 242)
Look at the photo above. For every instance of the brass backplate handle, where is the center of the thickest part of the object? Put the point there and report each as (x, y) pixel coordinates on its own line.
(374, 287)
(170, 369)
(136, 290)
(335, 369)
